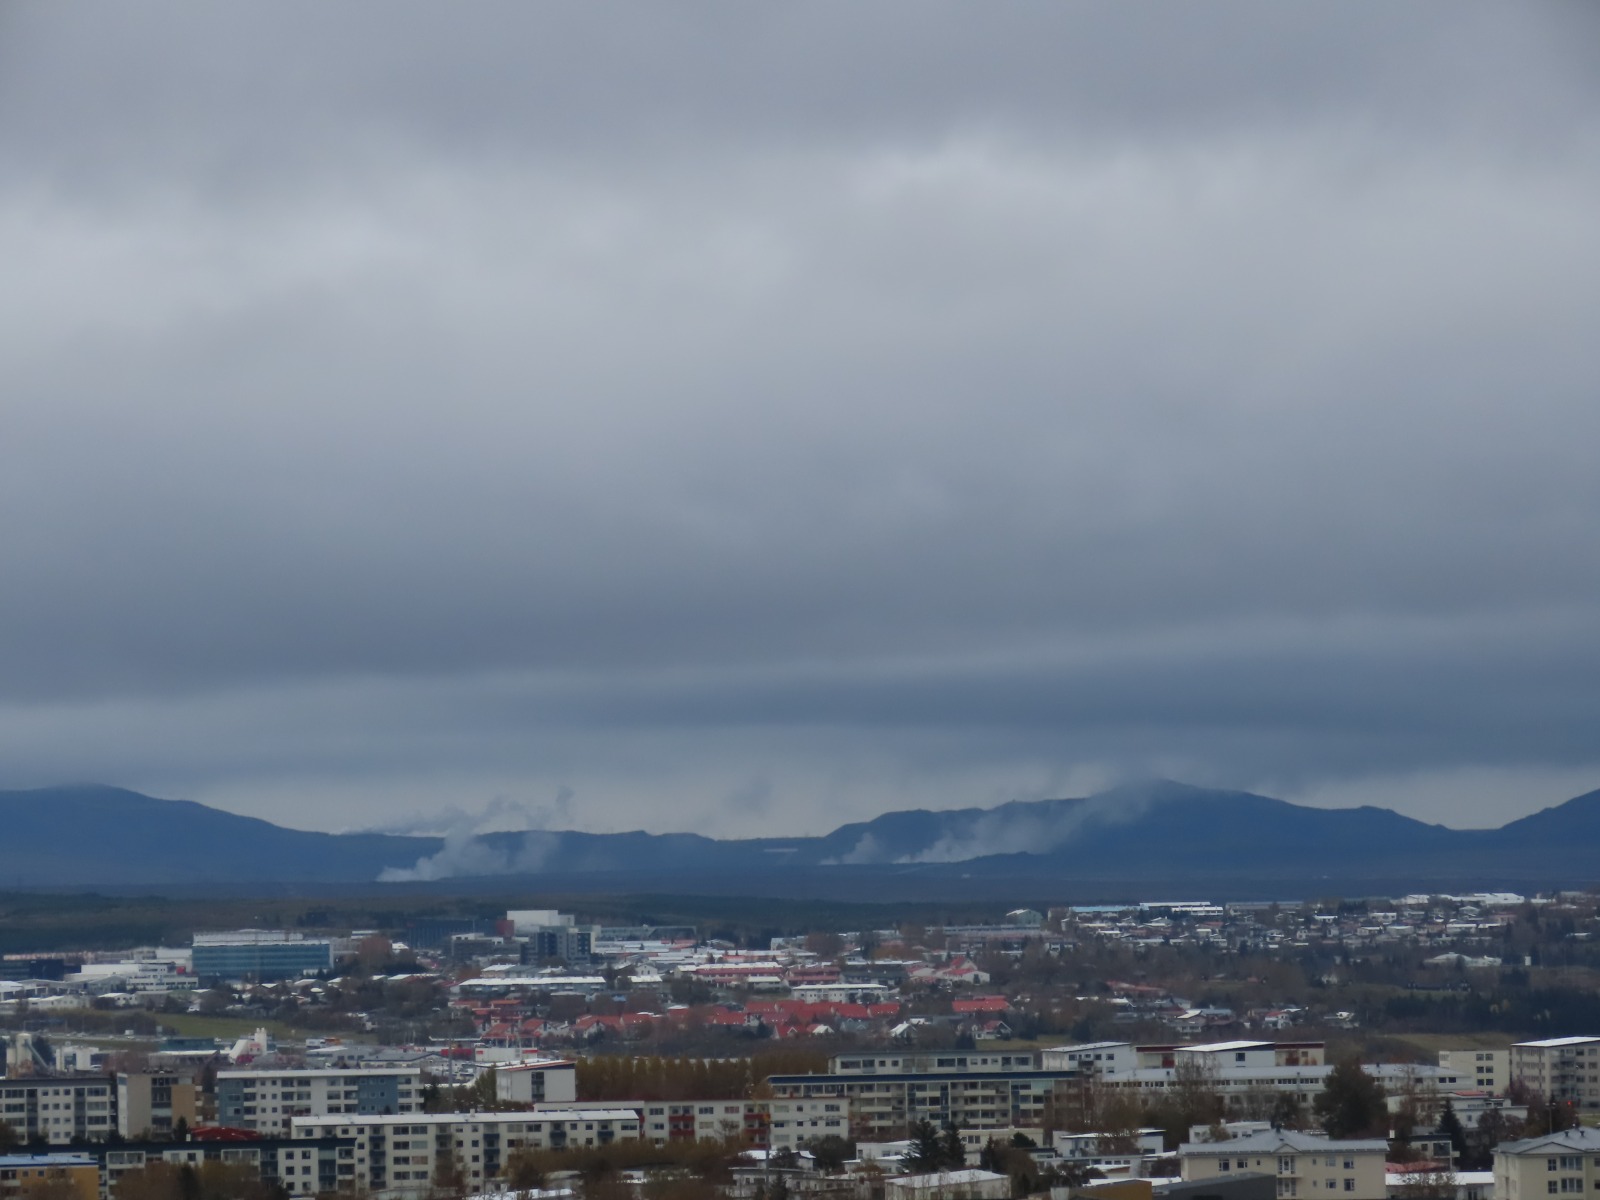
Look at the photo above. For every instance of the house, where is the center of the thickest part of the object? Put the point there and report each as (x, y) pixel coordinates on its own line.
(1557, 1164)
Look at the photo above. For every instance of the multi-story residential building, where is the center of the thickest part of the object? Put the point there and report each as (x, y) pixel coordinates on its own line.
(151, 1103)
(1307, 1167)
(1484, 1070)
(1091, 1058)
(23, 1174)
(949, 1062)
(59, 1109)
(700, 1121)
(1218, 1057)
(302, 1167)
(260, 955)
(539, 1082)
(1557, 1164)
(266, 1101)
(792, 1124)
(888, 1093)
(1563, 1069)
(405, 1155)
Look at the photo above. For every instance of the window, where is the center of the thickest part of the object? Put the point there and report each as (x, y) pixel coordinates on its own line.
(1349, 1185)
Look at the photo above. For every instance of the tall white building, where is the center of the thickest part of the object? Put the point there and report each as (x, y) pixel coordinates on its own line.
(1563, 1069)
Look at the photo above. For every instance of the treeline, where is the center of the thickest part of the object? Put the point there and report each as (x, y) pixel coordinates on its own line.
(1507, 1009)
(208, 1181)
(622, 1077)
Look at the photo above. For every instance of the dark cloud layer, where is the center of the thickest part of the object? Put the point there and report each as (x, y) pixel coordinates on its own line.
(769, 416)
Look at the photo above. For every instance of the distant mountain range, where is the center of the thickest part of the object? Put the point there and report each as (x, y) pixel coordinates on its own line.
(1133, 840)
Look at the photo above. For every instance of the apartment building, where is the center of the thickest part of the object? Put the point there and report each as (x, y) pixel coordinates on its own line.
(23, 1174)
(59, 1109)
(700, 1121)
(1307, 1167)
(883, 1102)
(1481, 1070)
(776, 1124)
(266, 1101)
(1563, 1069)
(302, 1167)
(540, 1082)
(151, 1103)
(943, 1061)
(1091, 1058)
(404, 1155)
(792, 1124)
(1557, 1164)
(1215, 1057)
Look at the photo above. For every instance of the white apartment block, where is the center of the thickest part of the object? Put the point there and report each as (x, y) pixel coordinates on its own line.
(1307, 1167)
(1557, 1164)
(792, 1124)
(59, 1109)
(267, 1101)
(948, 1062)
(1482, 1070)
(780, 1124)
(403, 1155)
(1091, 1058)
(540, 1082)
(1560, 1069)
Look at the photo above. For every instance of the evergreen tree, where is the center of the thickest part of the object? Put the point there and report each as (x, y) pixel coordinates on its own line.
(1450, 1126)
(954, 1152)
(927, 1148)
(1352, 1103)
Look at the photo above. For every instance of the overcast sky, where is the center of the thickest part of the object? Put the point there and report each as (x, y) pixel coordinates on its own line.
(750, 417)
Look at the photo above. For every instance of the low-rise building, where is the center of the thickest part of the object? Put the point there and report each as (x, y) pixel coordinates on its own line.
(1306, 1166)
(970, 1184)
(1557, 1164)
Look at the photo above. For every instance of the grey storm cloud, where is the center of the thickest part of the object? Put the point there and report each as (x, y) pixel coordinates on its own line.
(762, 417)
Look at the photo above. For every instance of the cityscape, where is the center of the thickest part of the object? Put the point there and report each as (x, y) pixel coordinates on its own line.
(1187, 1047)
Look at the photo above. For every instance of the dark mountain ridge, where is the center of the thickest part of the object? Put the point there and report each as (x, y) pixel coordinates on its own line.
(1161, 835)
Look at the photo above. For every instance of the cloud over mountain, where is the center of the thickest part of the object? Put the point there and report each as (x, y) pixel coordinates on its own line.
(742, 418)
